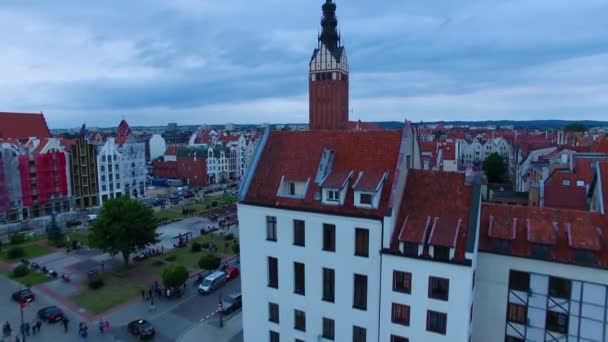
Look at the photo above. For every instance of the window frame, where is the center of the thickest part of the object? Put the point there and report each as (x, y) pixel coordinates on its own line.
(362, 242)
(328, 328)
(299, 233)
(517, 313)
(329, 288)
(359, 334)
(299, 266)
(435, 288)
(360, 289)
(517, 280)
(273, 264)
(366, 195)
(273, 313)
(551, 315)
(329, 242)
(271, 228)
(333, 195)
(400, 314)
(299, 320)
(402, 278)
(439, 316)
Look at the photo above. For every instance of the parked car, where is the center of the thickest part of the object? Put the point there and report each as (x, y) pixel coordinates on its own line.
(50, 314)
(141, 329)
(212, 282)
(73, 223)
(232, 272)
(189, 194)
(231, 303)
(24, 296)
(158, 202)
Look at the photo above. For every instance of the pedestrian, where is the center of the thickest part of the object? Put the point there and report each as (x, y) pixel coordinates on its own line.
(152, 307)
(27, 328)
(33, 324)
(65, 324)
(38, 325)
(100, 325)
(150, 293)
(106, 325)
(102, 265)
(143, 294)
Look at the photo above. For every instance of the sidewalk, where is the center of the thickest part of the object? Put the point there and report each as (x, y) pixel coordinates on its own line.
(210, 330)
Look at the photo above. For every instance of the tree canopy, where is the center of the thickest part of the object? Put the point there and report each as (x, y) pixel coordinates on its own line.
(209, 262)
(494, 167)
(123, 226)
(174, 276)
(575, 127)
(54, 233)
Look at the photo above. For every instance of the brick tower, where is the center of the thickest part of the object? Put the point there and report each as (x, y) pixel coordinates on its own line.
(328, 77)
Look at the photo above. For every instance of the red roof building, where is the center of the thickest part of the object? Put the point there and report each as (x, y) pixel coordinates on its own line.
(565, 190)
(22, 126)
(560, 235)
(601, 146)
(370, 158)
(122, 133)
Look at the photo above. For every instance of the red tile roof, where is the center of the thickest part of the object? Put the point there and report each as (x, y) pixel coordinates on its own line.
(369, 181)
(296, 155)
(448, 151)
(172, 150)
(562, 191)
(443, 217)
(122, 133)
(564, 231)
(601, 146)
(584, 167)
(336, 179)
(22, 126)
(229, 138)
(604, 181)
(363, 126)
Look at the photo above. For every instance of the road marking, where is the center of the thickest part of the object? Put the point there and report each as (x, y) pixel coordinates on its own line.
(209, 316)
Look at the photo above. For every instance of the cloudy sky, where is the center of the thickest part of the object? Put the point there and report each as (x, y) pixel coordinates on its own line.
(214, 61)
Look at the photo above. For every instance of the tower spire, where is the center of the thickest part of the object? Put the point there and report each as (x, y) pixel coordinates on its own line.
(329, 36)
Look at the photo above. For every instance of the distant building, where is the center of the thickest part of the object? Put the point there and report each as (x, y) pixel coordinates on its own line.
(83, 172)
(109, 170)
(158, 146)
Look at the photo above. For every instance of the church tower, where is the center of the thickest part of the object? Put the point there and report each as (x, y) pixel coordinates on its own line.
(328, 77)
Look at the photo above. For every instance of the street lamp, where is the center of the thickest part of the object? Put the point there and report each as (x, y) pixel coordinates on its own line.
(21, 306)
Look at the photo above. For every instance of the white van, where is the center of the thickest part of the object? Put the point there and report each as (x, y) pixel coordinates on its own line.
(212, 282)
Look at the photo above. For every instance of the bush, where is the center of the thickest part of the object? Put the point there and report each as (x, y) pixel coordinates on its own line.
(171, 258)
(214, 204)
(196, 247)
(205, 245)
(20, 271)
(96, 284)
(0, 245)
(236, 248)
(229, 237)
(174, 276)
(15, 253)
(16, 239)
(209, 262)
(158, 263)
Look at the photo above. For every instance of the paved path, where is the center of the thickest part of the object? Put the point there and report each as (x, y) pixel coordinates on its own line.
(232, 330)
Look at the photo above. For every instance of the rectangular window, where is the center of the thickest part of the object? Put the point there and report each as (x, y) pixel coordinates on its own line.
(359, 334)
(441, 253)
(333, 195)
(439, 288)
(271, 228)
(329, 328)
(402, 282)
(517, 313)
(365, 199)
(274, 336)
(273, 312)
(298, 278)
(299, 236)
(519, 281)
(329, 237)
(362, 242)
(559, 287)
(400, 314)
(557, 322)
(329, 283)
(292, 189)
(273, 272)
(436, 322)
(360, 292)
(395, 338)
(410, 248)
(299, 320)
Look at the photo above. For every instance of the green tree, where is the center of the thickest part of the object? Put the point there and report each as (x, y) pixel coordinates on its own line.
(123, 226)
(494, 167)
(174, 276)
(54, 233)
(209, 262)
(575, 127)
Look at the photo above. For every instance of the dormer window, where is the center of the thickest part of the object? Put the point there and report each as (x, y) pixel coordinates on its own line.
(292, 188)
(365, 199)
(333, 195)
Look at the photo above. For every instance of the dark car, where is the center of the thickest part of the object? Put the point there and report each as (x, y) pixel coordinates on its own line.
(50, 314)
(189, 194)
(73, 223)
(24, 296)
(158, 202)
(141, 329)
(231, 303)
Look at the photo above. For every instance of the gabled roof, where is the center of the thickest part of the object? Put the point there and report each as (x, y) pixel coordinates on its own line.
(172, 150)
(22, 126)
(296, 155)
(436, 205)
(563, 191)
(601, 146)
(336, 179)
(562, 231)
(369, 181)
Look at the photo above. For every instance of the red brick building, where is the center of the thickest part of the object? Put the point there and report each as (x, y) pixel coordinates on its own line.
(190, 166)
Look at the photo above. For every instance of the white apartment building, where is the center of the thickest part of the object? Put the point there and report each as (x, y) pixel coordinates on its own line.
(414, 256)
(109, 171)
(133, 167)
(474, 152)
(158, 146)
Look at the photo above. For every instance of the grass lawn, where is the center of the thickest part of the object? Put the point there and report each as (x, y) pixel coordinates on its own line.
(81, 236)
(32, 278)
(32, 250)
(169, 214)
(201, 207)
